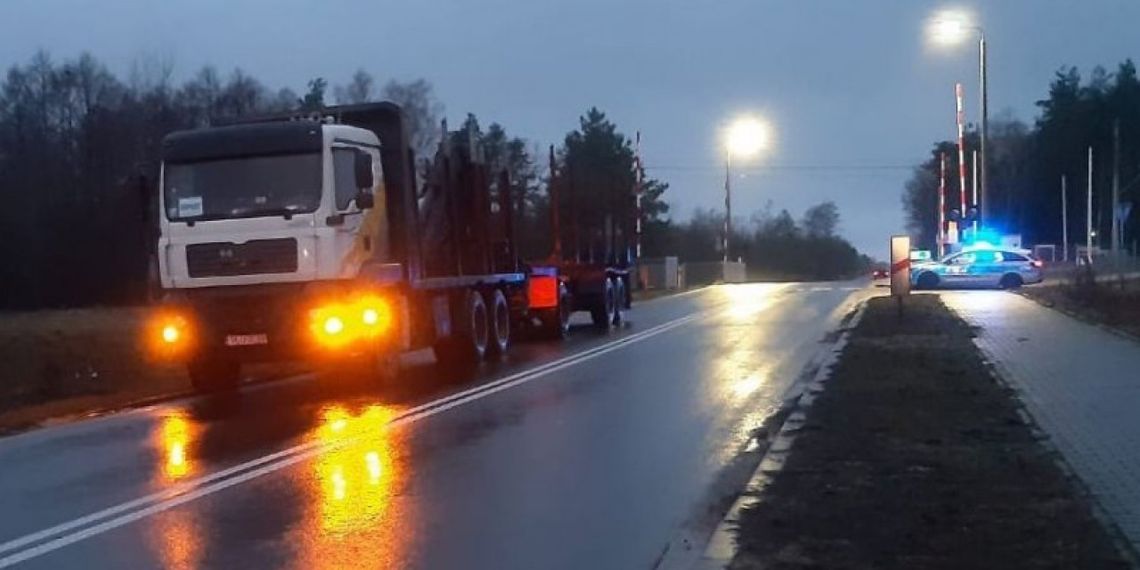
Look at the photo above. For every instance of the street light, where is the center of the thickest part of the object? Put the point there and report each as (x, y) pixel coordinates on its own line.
(951, 28)
(744, 138)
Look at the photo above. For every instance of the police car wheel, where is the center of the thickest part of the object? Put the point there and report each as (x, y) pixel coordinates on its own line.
(927, 281)
(1010, 281)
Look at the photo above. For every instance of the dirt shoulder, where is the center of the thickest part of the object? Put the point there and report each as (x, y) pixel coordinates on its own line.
(914, 457)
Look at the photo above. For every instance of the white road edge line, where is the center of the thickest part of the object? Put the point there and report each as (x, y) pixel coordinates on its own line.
(192, 490)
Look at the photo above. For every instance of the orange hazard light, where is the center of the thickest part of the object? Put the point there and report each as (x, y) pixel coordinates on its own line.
(542, 291)
(336, 324)
(169, 334)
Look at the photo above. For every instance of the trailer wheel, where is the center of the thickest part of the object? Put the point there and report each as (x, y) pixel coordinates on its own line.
(556, 321)
(602, 313)
(500, 323)
(213, 374)
(619, 299)
(468, 345)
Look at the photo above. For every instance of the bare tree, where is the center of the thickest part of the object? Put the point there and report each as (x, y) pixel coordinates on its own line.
(200, 96)
(423, 110)
(242, 95)
(821, 220)
(151, 72)
(361, 89)
(284, 100)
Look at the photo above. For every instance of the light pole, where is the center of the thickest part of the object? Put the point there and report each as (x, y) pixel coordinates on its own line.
(745, 138)
(950, 28)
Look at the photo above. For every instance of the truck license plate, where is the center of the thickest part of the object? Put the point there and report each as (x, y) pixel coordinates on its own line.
(246, 339)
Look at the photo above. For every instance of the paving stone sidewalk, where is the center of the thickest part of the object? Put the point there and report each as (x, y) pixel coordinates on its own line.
(1080, 383)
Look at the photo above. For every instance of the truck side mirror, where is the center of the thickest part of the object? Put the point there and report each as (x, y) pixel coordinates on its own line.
(362, 166)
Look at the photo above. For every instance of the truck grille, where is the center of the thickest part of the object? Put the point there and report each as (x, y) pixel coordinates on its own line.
(249, 258)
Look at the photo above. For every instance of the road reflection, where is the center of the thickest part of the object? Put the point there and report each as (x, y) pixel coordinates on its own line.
(178, 534)
(351, 523)
(176, 435)
(743, 370)
(746, 300)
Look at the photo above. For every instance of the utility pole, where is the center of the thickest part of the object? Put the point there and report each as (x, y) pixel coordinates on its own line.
(1115, 187)
(975, 197)
(1064, 221)
(942, 207)
(1088, 210)
(552, 190)
(984, 211)
(727, 203)
(961, 118)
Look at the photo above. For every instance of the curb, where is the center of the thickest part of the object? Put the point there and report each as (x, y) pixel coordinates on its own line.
(721, 547)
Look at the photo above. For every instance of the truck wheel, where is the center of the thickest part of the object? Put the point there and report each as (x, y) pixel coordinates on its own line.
(468, 344)
(500, 323)
(602, 312)
(619, 299)
(556, 321)
(214, 374)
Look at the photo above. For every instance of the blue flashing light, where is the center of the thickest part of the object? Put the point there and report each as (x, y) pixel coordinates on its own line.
(984, 238)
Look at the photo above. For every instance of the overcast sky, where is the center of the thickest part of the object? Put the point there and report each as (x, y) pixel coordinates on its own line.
(855, 94)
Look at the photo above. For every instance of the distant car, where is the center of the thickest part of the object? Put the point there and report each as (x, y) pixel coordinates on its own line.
(1002, 268)
(880, 273)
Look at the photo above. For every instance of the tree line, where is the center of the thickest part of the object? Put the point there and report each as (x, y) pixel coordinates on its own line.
(1026, 163)
(774, 246)
(79, 151)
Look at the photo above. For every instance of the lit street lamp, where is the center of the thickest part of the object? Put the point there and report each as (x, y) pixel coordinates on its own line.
(744, 138)
(950, 28)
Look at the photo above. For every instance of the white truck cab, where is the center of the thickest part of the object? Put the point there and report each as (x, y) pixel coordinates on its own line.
(269, 235)
(269, 203)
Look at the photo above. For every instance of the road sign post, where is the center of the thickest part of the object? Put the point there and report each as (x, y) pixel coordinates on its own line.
(900, 269)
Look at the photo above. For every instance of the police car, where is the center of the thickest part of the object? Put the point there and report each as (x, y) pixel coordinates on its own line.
(979, 267)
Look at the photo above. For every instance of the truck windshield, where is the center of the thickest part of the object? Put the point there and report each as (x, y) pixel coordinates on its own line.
(243, 187)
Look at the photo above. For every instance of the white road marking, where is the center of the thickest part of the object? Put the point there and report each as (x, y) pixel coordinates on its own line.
(134, 510)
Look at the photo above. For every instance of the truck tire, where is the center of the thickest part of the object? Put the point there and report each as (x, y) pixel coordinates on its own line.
(602, 313)
(499, 323)
(467, 346)
(619, 300)
(212, 374)
(556, 321)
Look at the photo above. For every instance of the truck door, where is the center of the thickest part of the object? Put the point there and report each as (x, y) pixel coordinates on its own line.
(360, 231)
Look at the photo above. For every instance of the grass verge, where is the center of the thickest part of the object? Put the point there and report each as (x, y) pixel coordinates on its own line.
(1112, 302)
(914, 457)
(67, 363)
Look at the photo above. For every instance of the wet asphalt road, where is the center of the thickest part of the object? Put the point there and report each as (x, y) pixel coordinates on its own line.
(594, 453)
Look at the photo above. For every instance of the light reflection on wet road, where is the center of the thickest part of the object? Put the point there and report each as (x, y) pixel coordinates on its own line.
(597, 463)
